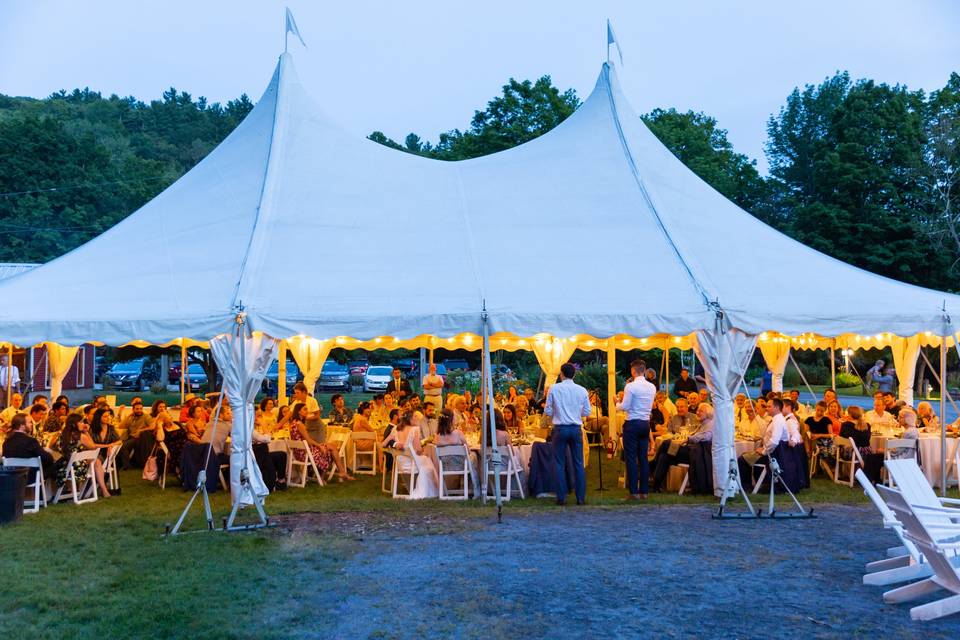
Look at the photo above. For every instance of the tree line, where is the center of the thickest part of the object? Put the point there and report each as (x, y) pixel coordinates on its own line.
(863, 171)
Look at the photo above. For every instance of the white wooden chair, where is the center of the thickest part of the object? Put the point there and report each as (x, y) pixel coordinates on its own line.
(446, 492)
(69, 487)
(846, 446)
(507, 472)
(405, 464)
(906, 561)
(939, 553)
(953, 461)
(39, 499)
(303, 468)
(359, 454)
(275, 446)
(162, 473)
(338, 438)
(388, 452)
(110, 474)
(223, 479)
(905, 448)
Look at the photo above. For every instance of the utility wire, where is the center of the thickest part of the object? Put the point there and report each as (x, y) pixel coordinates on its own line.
(79, 186)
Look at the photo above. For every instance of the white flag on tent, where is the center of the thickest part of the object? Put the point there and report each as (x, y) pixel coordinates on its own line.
(292, 27)
(612, 40)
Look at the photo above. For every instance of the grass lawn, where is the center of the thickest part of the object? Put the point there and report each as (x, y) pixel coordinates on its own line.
(105, 570)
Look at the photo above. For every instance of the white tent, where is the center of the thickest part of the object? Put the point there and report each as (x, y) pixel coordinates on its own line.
(591, 236)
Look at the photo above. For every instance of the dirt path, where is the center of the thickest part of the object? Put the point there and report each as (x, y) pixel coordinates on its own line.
(645, 572)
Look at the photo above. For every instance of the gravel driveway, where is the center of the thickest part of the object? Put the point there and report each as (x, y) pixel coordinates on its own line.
(618, 573)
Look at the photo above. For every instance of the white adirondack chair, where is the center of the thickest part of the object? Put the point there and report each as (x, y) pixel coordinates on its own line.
(37, 487)
(939, 553)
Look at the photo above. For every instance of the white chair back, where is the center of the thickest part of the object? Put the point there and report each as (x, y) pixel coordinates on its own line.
(39, 488)
(69, 488)
(360, 453)
(446, 492)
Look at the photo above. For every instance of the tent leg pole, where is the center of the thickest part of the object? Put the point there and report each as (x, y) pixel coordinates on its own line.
(8, 371)
(183, 371)
(833, 370)
(943, 416)
(282, 374)
(488, 403)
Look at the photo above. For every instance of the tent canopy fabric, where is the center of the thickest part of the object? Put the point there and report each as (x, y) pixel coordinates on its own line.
(593, 228)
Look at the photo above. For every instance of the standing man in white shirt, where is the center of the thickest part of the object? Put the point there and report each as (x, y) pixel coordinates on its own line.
(567, 404)
(8, 372)
(433, 388)
(637, 403)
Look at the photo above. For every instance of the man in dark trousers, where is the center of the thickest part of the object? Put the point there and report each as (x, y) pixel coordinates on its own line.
(399, 386)
(567, 404)
(19, 445)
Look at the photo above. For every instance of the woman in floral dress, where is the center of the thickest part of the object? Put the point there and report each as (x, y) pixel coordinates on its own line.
(76, 437)
(323, 454)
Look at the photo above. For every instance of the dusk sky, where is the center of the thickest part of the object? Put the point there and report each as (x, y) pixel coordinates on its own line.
(427, 66)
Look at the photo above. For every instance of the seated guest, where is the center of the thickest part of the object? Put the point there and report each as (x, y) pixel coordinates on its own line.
(926, 418)
(265, 419)
(800, 410)
(704, 396)
(820, 431)
(36, 418)
(751, 426)
(794, 437)
(339, 412)
(835, 415)
(510, 419)
(6, 416)
(324, 455)
(596, 422)
(273, 464)
(429, 421)
(684, 427)
(282, 429)
(361, 424)
(773, 435)
(738, 403)
(19, 444)
(195, 423)
(521, 408)
(188, 401)
(136, 423)
(42, 399)
(76, 437)
(858, 430)
(217, 430)
(460, 413)
(167, 431)
(891, 404)
(101, 428)
(683, 385)
(693, 401)
(448, 436)
(57, 418)
(908, 420)
(379, 416)
(879, 419)
(533, 405)
(503, 438)
(660, 414)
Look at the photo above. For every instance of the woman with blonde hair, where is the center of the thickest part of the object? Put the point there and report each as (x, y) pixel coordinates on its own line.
(857, 430)
(926, 418)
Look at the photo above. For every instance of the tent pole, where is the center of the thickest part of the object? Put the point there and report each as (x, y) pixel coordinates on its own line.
(282, 374)
(943, 416)
(612, 428)
(833, 368)
(666, 370)
(804, 378)
(9, 369)
(183, 370)
(489, 416)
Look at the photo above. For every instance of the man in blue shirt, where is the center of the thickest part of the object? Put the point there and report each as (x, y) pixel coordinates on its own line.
(567, 404)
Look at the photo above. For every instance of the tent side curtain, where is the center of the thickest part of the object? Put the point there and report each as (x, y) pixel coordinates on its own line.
(905, 354)
(725, 357)
(243, 361)
(776, 353)
(59, 359)
(309, 354)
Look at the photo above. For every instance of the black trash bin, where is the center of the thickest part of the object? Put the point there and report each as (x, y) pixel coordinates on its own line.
(13, 480)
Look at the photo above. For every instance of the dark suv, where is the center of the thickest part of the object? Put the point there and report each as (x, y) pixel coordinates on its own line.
(134, 375)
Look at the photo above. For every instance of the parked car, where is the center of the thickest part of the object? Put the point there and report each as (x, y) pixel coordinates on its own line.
(100, 367)
(376, 378)
(407, 366)
(334, 377)
(358, 367)
(456, 364)
(196, 377)
(133, 375)
(270, 381)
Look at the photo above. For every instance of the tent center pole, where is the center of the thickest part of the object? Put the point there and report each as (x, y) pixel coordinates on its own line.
(282, 374)
(8, 371)
(943, 416)
(183, 371)
(833, 369)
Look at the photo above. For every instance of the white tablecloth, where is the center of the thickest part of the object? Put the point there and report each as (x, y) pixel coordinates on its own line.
(929, 448)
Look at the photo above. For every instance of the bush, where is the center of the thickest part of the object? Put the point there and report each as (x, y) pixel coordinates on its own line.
(594, 376)
(815, 374)
(158, 388)
(845, 380)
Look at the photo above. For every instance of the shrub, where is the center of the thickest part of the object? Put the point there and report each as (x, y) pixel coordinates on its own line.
(845, 380)
(158, 388)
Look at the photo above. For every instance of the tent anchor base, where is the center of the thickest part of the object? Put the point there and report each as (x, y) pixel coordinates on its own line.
(246, 492)
(732, 489)
(772, 513)
(201, 489)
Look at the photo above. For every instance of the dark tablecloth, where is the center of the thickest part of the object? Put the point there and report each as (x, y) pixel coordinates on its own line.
(542, 478)
(193, 456)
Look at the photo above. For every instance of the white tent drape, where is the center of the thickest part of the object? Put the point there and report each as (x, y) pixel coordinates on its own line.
(905, 354)
(310, 355)
(551, 354)
(776, 353)
(724, 357)
(243, 361)
(59, 359)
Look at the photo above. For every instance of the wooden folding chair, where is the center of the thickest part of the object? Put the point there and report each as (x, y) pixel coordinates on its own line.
(447, 493)
(69, 487)
(358, 453)
(843, 445)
